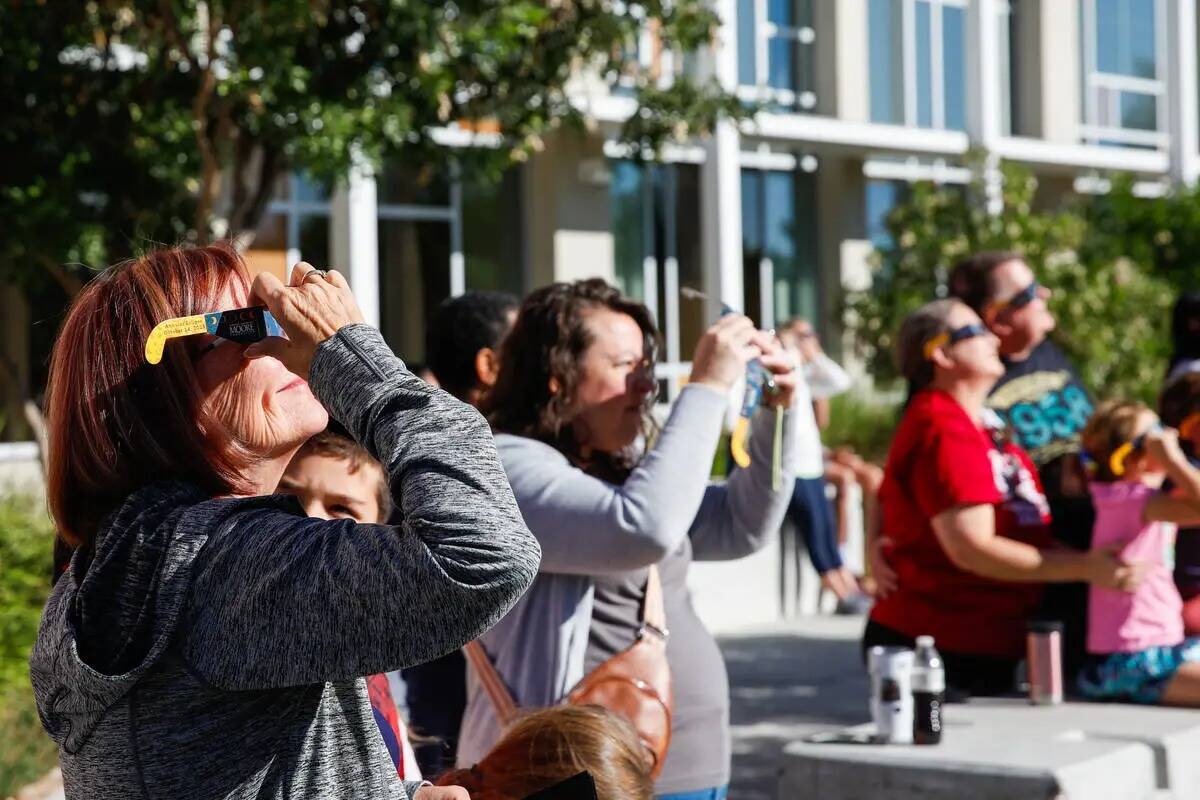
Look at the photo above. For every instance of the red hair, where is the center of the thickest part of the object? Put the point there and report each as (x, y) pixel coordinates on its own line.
(117, 423)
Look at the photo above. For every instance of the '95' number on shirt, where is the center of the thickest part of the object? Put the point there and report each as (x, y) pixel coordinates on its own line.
(1055, 415)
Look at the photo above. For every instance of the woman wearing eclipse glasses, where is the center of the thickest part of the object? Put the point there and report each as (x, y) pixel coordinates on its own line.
(965, 522)
(1043, 401)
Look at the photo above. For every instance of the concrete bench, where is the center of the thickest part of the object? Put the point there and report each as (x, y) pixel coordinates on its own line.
(1008, 749)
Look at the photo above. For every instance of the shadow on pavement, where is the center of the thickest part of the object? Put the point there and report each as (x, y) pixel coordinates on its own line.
(785, 685)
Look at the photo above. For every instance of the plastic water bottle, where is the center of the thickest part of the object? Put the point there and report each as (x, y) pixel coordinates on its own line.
(929, 692)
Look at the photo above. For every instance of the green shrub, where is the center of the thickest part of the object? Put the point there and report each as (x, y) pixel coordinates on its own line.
(863, 423)
(26, 547)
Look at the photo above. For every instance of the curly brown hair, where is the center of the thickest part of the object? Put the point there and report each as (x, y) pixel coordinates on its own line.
(546, 345)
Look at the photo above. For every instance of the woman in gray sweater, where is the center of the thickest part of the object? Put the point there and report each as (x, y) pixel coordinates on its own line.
(208, 639)
(572, 402)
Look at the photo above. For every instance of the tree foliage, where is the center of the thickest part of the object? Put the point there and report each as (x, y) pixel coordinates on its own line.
(1109, 296)
(164, 120)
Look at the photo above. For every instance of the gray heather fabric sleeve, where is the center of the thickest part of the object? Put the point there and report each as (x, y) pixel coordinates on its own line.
(283, 600)
(587, 526)
(737, 517)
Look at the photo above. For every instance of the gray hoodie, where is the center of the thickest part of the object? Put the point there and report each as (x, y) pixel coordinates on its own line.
(213, 648)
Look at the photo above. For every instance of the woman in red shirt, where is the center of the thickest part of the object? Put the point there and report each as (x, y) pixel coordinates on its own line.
(965, 522)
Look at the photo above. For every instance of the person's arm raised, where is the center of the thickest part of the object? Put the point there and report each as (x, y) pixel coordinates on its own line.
(1183, 505)
(283, 600)
(740, 515)
(587, 526)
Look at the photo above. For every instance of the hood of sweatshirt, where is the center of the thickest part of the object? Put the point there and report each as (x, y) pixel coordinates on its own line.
(112, 614)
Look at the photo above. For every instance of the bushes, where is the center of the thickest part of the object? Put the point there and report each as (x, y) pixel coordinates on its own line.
(26, 545)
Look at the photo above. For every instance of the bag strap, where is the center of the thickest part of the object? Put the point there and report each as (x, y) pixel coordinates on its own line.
(654, 620)
(502, 700)
(654, 613)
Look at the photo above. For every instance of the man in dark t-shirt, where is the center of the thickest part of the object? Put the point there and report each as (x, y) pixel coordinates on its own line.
(1043, 401)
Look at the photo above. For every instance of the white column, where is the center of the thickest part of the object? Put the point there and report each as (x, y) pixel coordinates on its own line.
(720, 179)
(356, 239)
(458, 264)
(1181, 91)
(983, 93)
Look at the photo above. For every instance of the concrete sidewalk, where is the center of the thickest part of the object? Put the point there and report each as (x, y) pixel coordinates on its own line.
(786, 681)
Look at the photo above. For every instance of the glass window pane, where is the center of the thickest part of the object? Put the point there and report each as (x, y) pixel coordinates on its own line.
(885, 40)
(310, 190)
(492, 233)
(1139, 111)
(626, 211)
(402, 184)
(790, 243)
(752, 239)
(314, 240)
(924, 67)
(751, 210)
(414, 274)
(747, 44)
(780, 12)
(1125, 37)
(781, 65)
(882, 197)
(688, 250)
(954, 67)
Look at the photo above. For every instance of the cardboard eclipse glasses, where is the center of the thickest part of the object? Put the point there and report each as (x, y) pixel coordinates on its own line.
(243, 325)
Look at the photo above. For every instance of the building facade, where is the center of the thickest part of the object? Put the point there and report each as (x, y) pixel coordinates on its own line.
(776, 215)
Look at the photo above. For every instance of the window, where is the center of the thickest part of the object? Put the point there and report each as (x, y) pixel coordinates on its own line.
(654, 215)
(1124, 92)
(918, 62)
(779, 253)
(776, 61)
(881, 197)
(439, 236)
(295, 226)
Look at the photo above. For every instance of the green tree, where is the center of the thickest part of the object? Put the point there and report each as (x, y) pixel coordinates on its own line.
(164, 120)
(1111, 308)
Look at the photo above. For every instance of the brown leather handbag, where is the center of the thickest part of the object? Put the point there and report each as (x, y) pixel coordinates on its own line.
(635, 683)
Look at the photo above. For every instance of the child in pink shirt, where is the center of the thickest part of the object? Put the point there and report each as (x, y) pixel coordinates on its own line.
(1136, 645)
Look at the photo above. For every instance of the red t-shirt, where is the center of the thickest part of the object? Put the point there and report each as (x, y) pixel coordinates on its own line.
(941, 459)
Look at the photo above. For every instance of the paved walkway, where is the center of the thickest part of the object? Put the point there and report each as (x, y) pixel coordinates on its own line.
(786, 681)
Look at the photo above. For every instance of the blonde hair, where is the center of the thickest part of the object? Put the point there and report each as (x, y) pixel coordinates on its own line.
(1113, 425)
(546, 747)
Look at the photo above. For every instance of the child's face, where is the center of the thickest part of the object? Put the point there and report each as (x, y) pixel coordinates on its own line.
(327, 489)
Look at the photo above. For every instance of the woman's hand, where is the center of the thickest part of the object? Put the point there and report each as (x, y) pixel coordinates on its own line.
(841, 582)
(1163, 446)
(1104, 567)
(442, 793)
(310, 309)
(782, 366)
(724, 351)
(885, 578)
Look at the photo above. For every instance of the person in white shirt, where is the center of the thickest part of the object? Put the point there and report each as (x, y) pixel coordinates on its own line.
(810, 509)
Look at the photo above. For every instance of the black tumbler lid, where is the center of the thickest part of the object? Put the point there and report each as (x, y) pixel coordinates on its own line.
(1044, 626)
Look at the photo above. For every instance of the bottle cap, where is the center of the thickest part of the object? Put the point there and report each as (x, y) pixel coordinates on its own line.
(924, 641)
(1044, 626)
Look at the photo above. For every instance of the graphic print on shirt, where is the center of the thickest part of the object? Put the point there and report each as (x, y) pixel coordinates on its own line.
(1018, 488)
(1046, 411)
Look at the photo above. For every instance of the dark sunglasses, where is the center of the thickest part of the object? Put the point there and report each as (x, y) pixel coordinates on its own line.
(954, 337)
(1020, 299)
